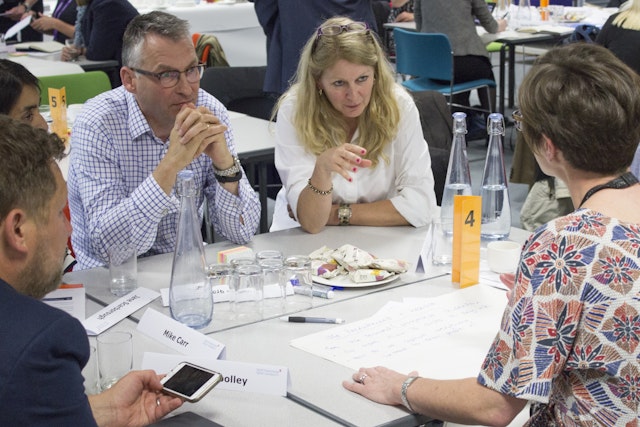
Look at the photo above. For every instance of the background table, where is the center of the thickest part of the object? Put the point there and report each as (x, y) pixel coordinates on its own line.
(42, 66)
(235, 25)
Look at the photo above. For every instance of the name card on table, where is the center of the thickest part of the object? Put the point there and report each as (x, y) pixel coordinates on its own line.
(467, 218)
(221, 293)
(118, 310)
(237, 376)
(178, 336)
(58, 108)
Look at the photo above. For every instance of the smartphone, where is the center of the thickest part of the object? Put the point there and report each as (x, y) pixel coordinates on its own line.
(190, 382)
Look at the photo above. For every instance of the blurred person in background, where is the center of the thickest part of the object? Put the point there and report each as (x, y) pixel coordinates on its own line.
(455, 18)
(621, 34)
(12, 11)
(288, 25)
(103, 26)
(61, 23)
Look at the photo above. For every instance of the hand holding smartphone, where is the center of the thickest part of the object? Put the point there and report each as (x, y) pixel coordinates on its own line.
(190, 382)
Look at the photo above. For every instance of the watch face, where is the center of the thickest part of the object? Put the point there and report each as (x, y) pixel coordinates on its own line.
(344, 214)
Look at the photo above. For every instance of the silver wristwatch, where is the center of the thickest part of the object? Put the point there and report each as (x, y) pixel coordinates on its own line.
(233, 170)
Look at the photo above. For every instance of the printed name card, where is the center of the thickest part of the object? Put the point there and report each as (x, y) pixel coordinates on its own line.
(178, 336)
(118, 310)
(237, 376)
(221, 293)
(467, 211)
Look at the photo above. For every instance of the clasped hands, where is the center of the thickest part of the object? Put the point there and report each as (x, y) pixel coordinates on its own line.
(196, 130)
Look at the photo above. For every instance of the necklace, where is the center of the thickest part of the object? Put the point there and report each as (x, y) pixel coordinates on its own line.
(625, 180)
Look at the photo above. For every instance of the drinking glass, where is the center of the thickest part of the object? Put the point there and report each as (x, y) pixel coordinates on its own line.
(74, 51)
(246, 295)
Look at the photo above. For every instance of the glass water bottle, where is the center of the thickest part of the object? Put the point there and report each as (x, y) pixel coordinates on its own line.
(501, 9)
(458, 180)
(190, 297)
(496, 209)
(523, 14)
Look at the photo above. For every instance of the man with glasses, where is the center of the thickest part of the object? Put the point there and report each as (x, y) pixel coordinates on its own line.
(130, 143)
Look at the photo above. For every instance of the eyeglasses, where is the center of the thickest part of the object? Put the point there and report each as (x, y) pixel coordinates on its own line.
(169, 79)
(517, 119)
(334, 30)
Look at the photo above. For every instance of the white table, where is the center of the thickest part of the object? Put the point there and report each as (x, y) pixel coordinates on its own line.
(384, 242)
(316, 387)
(41, 67)
(225, 407)
(235, 25)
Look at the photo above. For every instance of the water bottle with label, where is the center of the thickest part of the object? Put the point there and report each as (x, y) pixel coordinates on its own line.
(190, 298)
(496, 209)
(458, 181)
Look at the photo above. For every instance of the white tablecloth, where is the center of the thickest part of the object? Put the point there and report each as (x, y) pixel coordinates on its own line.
(235, 25)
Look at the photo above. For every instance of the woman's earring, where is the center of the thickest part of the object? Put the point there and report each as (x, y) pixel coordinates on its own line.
(320, 91)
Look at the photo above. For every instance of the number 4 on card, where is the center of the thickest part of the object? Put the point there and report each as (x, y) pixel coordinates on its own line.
(465, 269)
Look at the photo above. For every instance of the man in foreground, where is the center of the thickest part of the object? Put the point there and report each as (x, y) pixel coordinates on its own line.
(44, 349)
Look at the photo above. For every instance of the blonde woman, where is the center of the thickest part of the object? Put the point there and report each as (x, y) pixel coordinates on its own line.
(621, 34)
(350, 148)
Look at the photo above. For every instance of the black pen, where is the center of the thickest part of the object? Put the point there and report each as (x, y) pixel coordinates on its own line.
(301, 319)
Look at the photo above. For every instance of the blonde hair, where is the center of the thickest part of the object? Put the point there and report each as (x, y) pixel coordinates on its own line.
(630, 17)
(318, 125)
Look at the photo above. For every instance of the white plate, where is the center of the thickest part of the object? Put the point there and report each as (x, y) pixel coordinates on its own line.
(344, 281)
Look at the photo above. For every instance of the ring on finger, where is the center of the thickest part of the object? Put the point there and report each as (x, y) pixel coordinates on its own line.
(362, 378)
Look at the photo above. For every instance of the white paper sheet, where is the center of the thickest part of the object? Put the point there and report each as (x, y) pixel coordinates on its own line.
(442, 337)
(17, 27)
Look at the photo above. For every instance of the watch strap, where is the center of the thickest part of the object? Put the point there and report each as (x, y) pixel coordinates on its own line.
(230, 172)
(235, 178)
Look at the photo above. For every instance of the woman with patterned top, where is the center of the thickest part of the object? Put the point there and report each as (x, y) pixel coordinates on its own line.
(570, 336)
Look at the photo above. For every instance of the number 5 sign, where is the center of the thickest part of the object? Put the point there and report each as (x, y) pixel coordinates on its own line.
(467, 215)
(58, 104)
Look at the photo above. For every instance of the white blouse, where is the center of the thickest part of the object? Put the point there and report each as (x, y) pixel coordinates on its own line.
(405, 177)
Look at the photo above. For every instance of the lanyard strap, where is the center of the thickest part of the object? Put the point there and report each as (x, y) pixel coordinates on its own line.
(625, 180)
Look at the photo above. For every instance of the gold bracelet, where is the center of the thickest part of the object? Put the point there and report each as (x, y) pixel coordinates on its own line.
(317, 191)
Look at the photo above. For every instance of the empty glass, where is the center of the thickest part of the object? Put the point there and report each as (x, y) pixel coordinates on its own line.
(246, 295)
(297, 271)
(275, 286)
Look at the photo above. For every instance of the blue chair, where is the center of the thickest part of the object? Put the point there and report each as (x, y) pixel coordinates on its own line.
(428, 58)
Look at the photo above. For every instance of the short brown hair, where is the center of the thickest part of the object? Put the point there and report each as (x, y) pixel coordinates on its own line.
(26, 179)
(587, 102)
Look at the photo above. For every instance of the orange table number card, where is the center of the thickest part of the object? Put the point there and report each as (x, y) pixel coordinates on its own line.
(58, 108)
(467, 217)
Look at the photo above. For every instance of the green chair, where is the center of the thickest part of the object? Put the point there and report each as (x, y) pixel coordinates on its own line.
(494, 47)
(78, 87)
